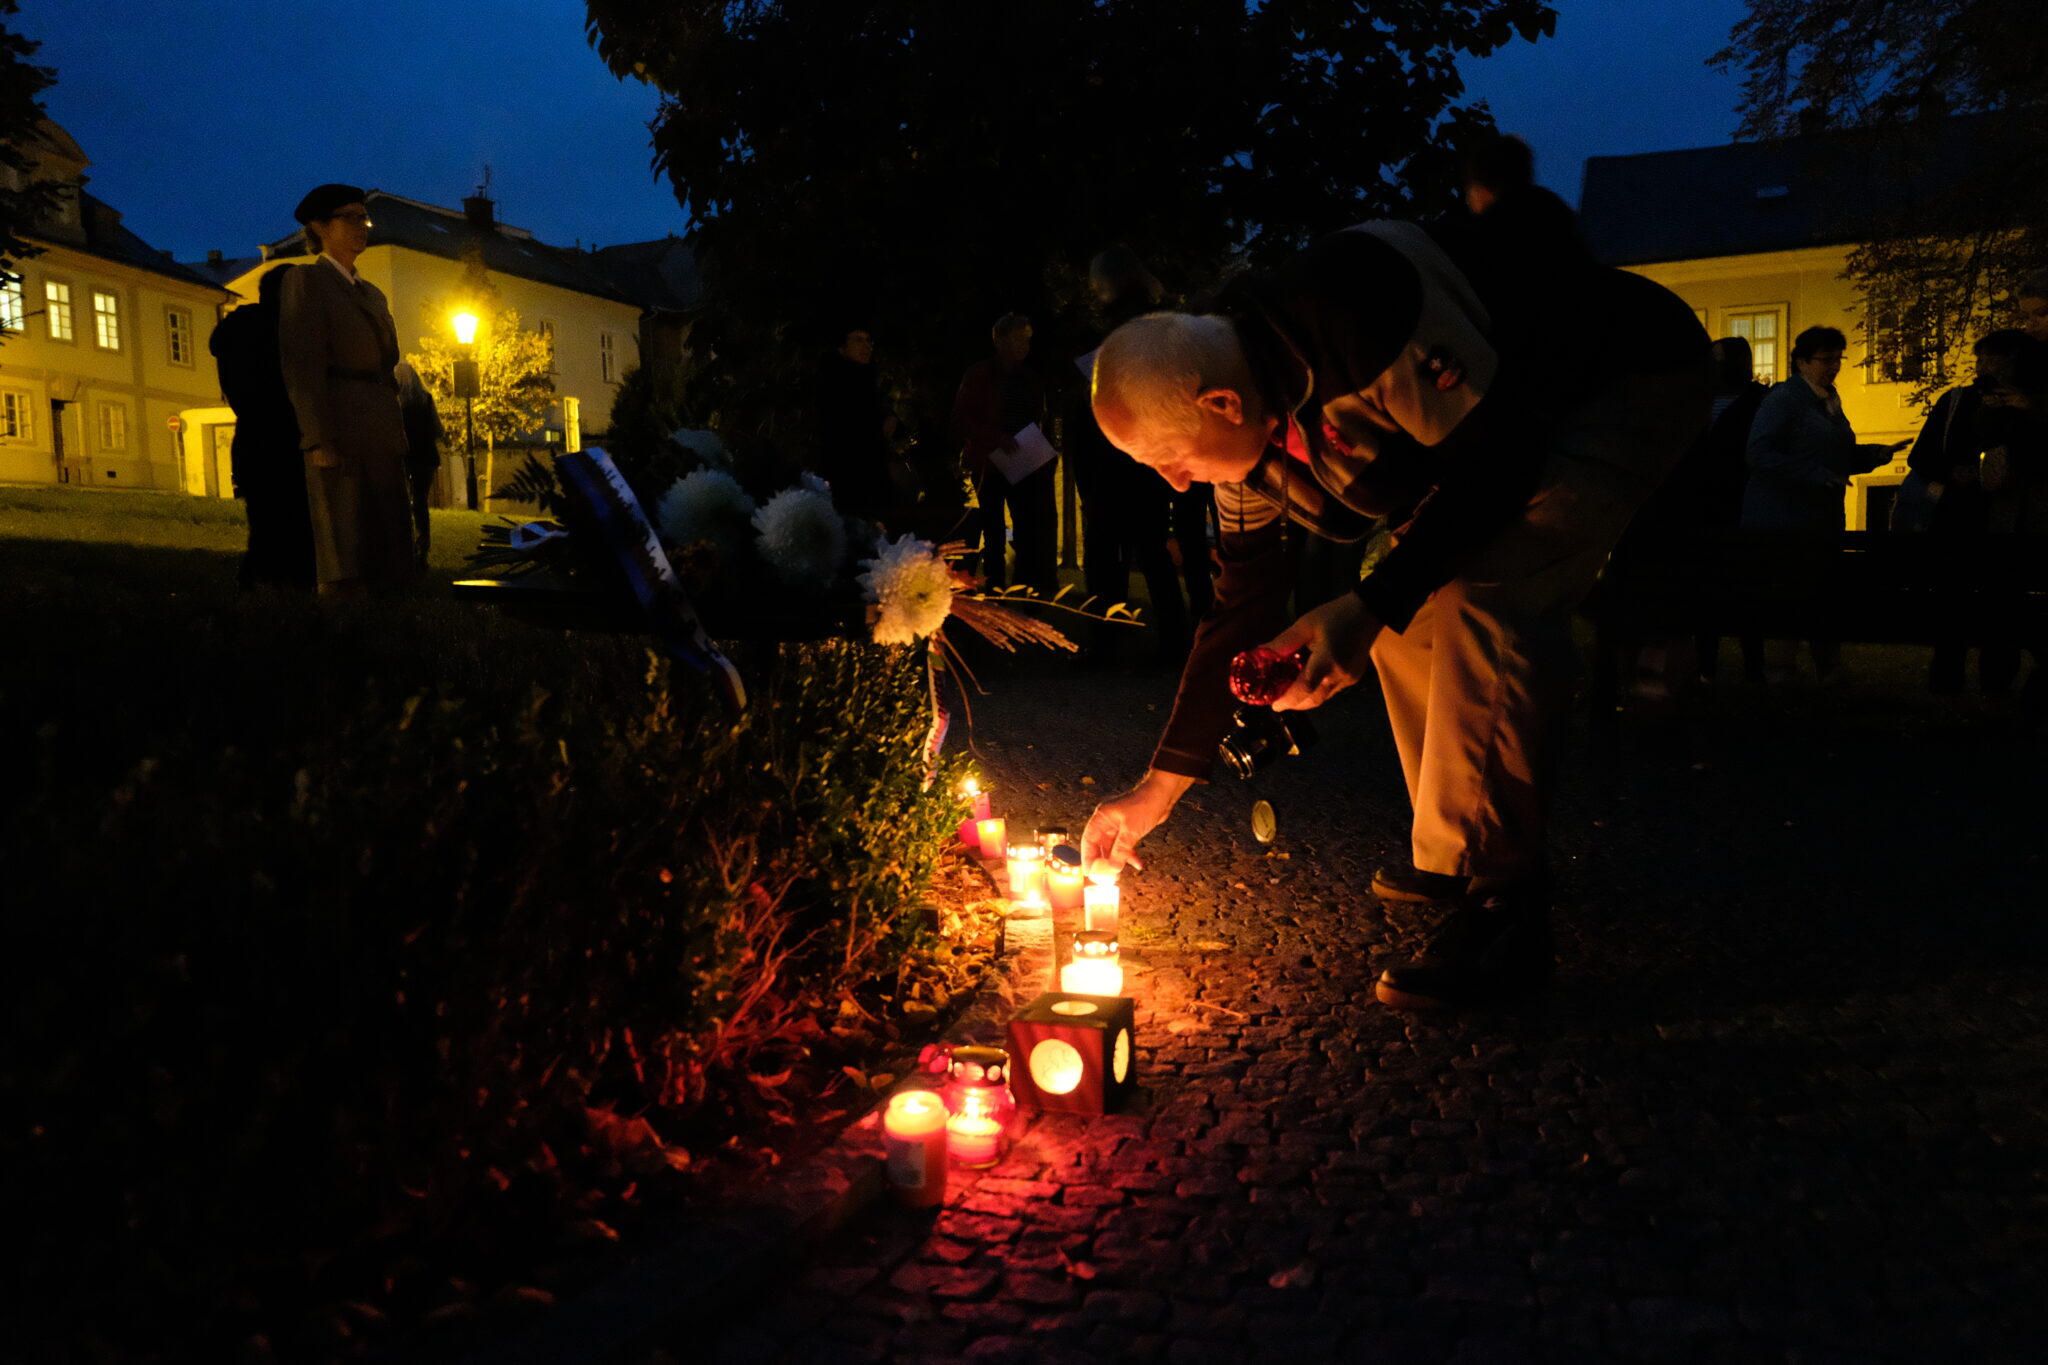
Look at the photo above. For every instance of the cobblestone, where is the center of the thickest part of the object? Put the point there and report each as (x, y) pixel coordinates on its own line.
(1783, 1104)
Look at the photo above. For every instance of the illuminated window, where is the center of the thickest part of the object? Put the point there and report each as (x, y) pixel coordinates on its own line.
(546, 328)
(607, 358)
(106, 321)
(1764, 329)
(178, 335)
(17, 416)
(57, 310)
(1908, 342)
(572, 424)
(13, 306)
(113, 427)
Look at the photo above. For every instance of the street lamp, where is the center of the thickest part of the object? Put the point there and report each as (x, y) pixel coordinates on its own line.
(466, 389)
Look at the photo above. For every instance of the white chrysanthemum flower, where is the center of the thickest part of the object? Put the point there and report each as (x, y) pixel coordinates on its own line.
(801, 537)
(704, 444)
(815, 483)
(911, 588)
(706, 504)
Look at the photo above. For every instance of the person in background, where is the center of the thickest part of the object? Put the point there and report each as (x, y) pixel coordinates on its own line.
(1943, 495)
(1801, 454)
(423, 435)
(854, 429)
(998, 398)
(270, 472)
(340, 357)
(1124, 506)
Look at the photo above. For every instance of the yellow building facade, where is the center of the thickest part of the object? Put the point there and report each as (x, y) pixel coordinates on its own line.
(103, 358)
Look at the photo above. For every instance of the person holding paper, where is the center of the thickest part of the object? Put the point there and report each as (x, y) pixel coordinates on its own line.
(999, 416)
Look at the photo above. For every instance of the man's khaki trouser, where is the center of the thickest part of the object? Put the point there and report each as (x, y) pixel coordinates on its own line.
(1479, 686)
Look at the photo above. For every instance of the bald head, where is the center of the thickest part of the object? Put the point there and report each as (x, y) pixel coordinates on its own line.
(1174, 391)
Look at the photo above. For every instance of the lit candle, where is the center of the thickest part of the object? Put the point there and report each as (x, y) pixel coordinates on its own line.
(979, 1096)
(970, 836)
(992, 836)
(1064, 884)
(1027, 870)
(1093, 965)
(1101, 904)
(971, 789)
(914, 1146)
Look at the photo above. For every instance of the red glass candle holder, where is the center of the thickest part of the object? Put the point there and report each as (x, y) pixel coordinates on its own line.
(1259, 676)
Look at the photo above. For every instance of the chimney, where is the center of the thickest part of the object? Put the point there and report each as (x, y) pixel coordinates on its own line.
(477, 209)
(213, 256)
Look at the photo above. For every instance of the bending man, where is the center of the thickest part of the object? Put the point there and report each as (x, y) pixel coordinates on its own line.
(1365, 380)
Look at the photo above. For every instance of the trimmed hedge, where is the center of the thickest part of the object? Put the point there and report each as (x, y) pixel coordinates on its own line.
(330, 928)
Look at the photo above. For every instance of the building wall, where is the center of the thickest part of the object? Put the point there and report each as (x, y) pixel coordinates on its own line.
(419, 287)
(139, 379)
(1805, 288)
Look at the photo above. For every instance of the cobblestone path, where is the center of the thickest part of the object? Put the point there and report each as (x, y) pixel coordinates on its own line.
(1788, 1100)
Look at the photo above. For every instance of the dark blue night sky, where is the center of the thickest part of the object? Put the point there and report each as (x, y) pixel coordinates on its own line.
(206, 124)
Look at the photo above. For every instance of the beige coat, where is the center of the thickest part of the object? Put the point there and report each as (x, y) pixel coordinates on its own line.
(338, 345)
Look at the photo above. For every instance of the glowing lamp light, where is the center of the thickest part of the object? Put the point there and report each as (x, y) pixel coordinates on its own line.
(465, 327)
(1064, 884)
(978, 1093)
(914, 1147)
(1076, 1053)
(992, 837)
(1093, 966)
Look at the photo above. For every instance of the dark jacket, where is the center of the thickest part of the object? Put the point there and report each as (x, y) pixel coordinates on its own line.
(266, 446)
(1386, 356)
(1798, 448)
(853, 455)
(989, 401)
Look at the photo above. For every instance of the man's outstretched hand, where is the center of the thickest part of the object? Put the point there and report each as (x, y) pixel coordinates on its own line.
(1339, 636)
(1120, 822)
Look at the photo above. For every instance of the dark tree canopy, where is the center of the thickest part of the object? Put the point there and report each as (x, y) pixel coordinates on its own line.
(1939, 270)
(919, 167)
(24, 200)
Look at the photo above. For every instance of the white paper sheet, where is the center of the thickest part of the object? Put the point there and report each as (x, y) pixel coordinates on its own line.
(1032, 454)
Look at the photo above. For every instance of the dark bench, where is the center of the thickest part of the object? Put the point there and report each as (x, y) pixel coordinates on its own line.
(1871, 587)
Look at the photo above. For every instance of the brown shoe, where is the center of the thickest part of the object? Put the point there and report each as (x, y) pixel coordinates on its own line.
(1413, 885)
(1488, 950)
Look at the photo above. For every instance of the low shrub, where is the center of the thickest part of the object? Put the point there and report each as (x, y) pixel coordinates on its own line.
(335, 928)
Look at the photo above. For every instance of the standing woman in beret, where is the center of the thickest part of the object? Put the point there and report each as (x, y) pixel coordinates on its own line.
(339, 347)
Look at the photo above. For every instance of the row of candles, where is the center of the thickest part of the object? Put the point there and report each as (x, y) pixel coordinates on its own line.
(966, 1122)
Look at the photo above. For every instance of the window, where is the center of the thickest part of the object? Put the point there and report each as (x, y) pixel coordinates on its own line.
(1908, 343)
(546, 328)
(113, 427)
(57, 310)
(106, 321)
(572, 424)
(178, 335)
(1764, 329)
(13, 306)
(607, 358)
(17, 416)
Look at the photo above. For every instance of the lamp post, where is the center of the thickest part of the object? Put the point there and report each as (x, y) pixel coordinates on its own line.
(466, 390)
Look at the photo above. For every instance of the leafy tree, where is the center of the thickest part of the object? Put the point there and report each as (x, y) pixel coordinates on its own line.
(24, 199)
(1970, 218)
(515, 373)
(918, 167)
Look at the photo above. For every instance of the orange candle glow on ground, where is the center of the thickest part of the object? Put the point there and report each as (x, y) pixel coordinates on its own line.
(914, 1145)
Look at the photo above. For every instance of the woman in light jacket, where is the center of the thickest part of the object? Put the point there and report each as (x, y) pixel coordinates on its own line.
(339, 346)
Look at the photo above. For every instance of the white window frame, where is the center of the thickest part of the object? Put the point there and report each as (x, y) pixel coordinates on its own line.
(17, 416)
(546, 328)
(1781, 343)
(13, 305)
(58, 313)
(112, 428)
(607, 358)
(173, 333)
(106, 322)
(572, 423)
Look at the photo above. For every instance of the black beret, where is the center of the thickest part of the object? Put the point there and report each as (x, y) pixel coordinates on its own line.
(322, 202)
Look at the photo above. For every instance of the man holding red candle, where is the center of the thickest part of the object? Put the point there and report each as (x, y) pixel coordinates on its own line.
(1368, 379)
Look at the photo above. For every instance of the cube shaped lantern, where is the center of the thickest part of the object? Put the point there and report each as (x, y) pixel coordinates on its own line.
(1074, 1054)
